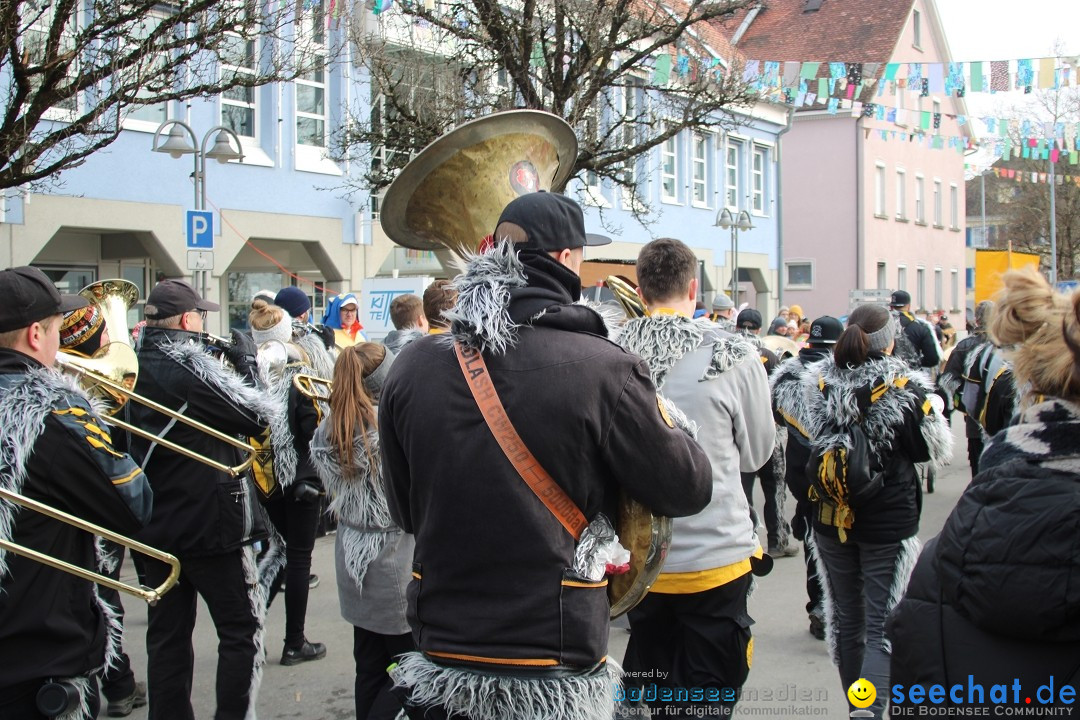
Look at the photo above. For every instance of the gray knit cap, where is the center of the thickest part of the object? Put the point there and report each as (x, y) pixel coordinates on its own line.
(373, 383)
(881, 338)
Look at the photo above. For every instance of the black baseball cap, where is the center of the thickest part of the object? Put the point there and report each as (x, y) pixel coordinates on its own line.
(27, 296)
(175, 297)
(545, 221)
(826, 330)
(749, 319)
(900, 298)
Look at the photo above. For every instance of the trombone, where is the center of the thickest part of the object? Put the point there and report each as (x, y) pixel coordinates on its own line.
(150, 595)
(97, 380)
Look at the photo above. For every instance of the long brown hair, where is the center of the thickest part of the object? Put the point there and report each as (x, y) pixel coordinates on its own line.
(351, 405)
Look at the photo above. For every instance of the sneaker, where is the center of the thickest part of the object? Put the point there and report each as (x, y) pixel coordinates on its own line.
(313, 581)
(305, 653)
(123, 707)
(817, 626)
(788, 549)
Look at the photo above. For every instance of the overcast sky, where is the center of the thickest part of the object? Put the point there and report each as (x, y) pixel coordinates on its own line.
(1009, 29)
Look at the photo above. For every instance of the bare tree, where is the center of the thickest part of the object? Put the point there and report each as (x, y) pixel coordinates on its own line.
(70, 70)
(1025, 205)
(626, 74)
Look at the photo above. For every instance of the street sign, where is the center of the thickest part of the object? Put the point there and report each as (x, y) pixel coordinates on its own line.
(200, 260)
(873, 295)
(199, 227)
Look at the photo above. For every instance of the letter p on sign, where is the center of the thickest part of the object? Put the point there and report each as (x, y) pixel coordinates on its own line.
(200, 229)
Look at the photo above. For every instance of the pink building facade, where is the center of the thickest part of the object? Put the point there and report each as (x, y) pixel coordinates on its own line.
(863, 212)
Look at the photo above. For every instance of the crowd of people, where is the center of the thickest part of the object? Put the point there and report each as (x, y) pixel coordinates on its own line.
(475, 580)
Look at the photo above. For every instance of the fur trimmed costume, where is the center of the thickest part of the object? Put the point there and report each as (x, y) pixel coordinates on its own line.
(865, 558)
(693, 629)
(205, 517)
(55, 448)
(589, 413)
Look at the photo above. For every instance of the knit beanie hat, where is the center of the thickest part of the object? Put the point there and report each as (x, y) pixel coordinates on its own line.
(373, 383)
(293, 300)
(81, 330)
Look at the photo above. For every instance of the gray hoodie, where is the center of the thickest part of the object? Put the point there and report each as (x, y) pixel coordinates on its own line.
(718, 381)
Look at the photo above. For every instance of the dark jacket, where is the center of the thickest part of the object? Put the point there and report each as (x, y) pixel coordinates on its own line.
(901, 429)
(491, 564)
(995, 595)
(52, 623)
(922, 338)
(197, 510)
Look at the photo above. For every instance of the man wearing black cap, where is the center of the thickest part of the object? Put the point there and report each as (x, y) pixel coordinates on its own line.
(500, 605)
(790, 409)
(204, 516)
(921, 348)
(54, 449)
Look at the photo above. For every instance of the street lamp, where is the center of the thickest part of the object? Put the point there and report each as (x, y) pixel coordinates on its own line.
(177, 146)
(735, 223)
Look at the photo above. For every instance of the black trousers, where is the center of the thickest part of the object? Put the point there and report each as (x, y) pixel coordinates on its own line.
(698, 640)
(117, 682)
(296, 521)
(228, 591)
(373, 654)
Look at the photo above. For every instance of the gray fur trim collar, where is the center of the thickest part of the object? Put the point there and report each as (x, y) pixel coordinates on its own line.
(481, 696)
(481, 317)
(663, 340)
(25, 403)
(828, 415)
(204, 366)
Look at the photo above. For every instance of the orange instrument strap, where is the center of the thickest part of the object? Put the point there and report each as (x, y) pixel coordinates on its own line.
(535, 476)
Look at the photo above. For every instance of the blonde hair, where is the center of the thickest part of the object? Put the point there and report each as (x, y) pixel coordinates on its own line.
(1044, 328)
(264, 315)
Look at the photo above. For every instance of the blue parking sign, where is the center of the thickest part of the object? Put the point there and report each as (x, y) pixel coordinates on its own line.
(199, 227)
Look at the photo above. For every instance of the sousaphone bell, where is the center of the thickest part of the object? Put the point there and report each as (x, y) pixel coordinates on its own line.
(451, 195)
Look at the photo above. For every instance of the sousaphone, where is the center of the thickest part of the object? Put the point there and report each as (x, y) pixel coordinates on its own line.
(451, 195)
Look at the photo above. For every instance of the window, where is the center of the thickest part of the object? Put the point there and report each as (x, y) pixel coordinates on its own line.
(901, 194)
(630, 113)
(882, 281)
(312, 108)
(757, 185)
(901, 277)
(935, 108)
(669, 169)
(700, 175)
(939, 299)
(920, 288)
(937, 203)
(916, 29)
(954, 281)
(238, 105)
(155, 114)
(799, 275)
(242, 288)
(731, 174)
(954, 207)
(879, 190)
(39, 17)
(920, 200)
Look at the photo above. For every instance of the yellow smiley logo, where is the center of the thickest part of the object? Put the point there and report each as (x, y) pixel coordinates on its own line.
(862, 693)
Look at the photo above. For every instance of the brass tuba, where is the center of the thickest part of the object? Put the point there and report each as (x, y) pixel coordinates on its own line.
(451, 195)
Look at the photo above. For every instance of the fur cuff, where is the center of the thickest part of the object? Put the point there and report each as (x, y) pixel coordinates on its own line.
(465, 693)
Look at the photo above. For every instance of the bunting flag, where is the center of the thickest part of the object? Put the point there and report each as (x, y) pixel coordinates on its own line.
(1025, 176)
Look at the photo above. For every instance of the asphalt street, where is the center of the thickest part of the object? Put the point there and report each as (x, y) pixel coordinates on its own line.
(791, 676)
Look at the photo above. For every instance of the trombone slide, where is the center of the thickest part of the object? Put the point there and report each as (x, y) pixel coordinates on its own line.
(150, 595)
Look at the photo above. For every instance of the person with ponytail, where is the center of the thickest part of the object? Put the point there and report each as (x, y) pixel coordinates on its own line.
(995, 594)
(291, 490)
(865, 542)
(372, 555)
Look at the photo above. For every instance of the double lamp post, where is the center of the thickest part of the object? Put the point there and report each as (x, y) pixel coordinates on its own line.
(726, 220)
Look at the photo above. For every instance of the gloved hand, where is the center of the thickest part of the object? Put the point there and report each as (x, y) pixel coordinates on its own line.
(241, 353)
(327, 336)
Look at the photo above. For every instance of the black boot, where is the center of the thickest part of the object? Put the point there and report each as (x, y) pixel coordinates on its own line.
(305, 652)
